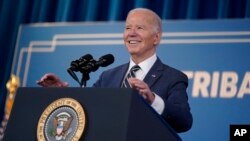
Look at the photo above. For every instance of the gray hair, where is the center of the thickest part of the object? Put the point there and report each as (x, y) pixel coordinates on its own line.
(157, 22)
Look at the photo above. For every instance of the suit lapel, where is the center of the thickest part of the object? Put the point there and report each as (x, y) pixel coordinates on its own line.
(154, 73)
(121, 75)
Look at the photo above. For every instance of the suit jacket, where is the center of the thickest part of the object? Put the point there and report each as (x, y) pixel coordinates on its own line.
(170, 84)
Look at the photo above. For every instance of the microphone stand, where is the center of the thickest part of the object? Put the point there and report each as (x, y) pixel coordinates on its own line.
(85, 78)
(74, 76)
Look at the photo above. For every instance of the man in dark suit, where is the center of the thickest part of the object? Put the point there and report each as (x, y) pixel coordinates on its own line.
(162, 86)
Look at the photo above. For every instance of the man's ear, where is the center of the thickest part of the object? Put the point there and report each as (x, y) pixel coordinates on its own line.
(157, 38)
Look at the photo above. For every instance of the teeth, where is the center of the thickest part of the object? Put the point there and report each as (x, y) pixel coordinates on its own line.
(133, 42)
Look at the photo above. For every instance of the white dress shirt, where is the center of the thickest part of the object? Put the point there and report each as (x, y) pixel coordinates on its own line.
(158, 103)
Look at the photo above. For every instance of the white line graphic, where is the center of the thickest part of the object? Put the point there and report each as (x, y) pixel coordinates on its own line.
(104, 39)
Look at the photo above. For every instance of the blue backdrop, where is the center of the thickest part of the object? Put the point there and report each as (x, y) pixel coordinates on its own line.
(214, 55)
(16, 12)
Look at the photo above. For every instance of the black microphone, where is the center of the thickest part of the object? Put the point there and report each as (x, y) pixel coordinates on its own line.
(105, 60)
(77, 64)
(93, 65)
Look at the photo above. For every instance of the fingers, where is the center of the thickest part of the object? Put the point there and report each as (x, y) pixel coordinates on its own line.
(51, 80)
(136, 83)
(142, 88)
(39, 82)
(64, 84)
(44, 83)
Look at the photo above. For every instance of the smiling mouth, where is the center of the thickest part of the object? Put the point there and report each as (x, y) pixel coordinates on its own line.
(133, 42)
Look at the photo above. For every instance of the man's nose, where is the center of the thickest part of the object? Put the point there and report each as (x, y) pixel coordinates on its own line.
(132, 32)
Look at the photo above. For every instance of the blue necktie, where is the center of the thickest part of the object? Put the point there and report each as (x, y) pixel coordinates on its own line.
(131, 73)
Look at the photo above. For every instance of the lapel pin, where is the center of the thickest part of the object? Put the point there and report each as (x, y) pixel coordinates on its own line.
(153, 75)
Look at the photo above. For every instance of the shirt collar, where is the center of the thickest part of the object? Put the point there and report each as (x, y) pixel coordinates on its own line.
(144, 65)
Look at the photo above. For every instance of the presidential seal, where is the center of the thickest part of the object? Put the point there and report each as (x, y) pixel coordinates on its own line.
(63, 120)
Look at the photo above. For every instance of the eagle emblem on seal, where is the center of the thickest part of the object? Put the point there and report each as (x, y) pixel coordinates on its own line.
(61, 124)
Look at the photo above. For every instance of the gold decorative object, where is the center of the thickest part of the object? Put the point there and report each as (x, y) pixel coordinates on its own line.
(11, 86)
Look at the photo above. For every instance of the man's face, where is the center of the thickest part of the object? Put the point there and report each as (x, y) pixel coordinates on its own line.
(139, 35)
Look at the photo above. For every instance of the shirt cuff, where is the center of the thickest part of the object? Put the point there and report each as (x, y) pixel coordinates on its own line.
(158, 104)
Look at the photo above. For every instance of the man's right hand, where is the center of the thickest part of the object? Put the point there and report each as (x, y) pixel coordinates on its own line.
(51, 80)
